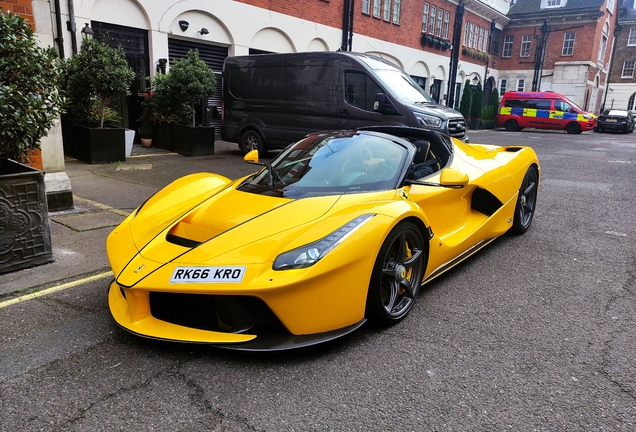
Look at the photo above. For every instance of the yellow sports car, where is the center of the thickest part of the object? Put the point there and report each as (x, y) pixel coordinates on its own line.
(340, 228)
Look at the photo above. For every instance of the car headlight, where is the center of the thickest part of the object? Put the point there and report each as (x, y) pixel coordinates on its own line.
(310, 254)
(428, 121)
(587, 116)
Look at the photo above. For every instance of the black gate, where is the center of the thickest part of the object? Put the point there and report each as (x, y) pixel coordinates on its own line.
(213, 56)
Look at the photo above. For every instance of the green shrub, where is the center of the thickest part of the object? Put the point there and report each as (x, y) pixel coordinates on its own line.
(477, 103)
(29, 96)
(464, 104)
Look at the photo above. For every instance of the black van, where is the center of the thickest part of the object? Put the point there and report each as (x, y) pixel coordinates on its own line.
(272, 100)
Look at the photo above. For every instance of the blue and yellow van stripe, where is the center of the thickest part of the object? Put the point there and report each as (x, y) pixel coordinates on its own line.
(530, 112)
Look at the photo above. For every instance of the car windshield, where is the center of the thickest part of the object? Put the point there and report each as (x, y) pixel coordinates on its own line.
(334, 163)
(398, 82)
(616, 113)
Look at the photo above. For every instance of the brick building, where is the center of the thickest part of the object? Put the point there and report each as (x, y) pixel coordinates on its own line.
(622, 82)
(559, 45)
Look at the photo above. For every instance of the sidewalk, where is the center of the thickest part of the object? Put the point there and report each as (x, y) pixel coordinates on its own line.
(103, 196)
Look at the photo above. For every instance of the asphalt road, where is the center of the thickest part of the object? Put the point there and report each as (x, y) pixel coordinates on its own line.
(536, 332)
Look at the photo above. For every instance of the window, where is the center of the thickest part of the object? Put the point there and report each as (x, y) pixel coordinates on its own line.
(507, 47)
(521, 83)
(480, 45)
(366, 6)
(631, 40)
(568, 44)
(360, 90)
(440, 17)
(610, 5)
(471, 35)
(630, 102)
(562, 106)
(376, 8)
(466, 31)
(628, 69)
(425, 17)
(431, 22)
(552, 3)
(494, 42)
(387, 10)
(446, 21)
(526, 42)
(601, 48)
(486, 34)
(503, 83)
(396, 11)
(420, 81)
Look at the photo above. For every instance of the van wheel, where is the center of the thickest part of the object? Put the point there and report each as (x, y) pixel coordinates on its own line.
(573, 128)
(511, 125)
(251, 140)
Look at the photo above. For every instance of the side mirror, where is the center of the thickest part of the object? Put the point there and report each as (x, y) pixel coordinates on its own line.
(379, 103)
(251, 157)
(452, 178)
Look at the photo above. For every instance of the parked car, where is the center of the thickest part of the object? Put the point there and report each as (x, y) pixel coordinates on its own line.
(273, 100)
(542, 110)
(615, 120)
(338, 229)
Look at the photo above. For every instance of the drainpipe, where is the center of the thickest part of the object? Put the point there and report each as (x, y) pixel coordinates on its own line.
(58, 23)
(70, 25)
(347, 26)
(457, 35)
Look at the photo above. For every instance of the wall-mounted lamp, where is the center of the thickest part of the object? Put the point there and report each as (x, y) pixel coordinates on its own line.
(475, 80)
(87, 32)
(183, 24)
(161, 65)
(432, 77)
(204, 31)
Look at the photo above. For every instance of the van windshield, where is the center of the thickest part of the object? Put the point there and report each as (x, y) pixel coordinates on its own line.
(402, 86)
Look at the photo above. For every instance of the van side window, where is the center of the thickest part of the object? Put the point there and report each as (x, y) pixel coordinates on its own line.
(540, 104)
(516, 103)
(360, 90)
(562, 106)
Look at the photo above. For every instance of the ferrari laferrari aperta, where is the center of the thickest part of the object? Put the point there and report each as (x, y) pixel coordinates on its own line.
(340, 228)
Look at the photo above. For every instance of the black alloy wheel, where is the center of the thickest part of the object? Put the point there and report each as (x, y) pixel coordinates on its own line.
(397, 275)
(573, 128)
(252, 140)
(511, 125)
(526, 202)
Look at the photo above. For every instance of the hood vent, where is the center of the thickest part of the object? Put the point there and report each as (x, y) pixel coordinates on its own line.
(189, 236)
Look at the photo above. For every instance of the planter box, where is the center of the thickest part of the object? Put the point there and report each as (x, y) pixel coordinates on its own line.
(193, 141)
(162, 136)
(25, 237)
(130, 139)
(99, 146)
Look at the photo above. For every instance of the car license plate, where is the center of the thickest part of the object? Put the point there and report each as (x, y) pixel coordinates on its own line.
(611, 120)
(225, 274)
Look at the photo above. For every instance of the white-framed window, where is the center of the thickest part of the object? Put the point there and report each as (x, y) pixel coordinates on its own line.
(486, 35)
(503, 84)
(366, 6)
(628, 69)
(397, 4)
(440, 18)
(630, 103)
(471, 36)
(446, 21)
(387, 10)
(603, 45)
(610, 5)
(507, 46)
(431, 21)
(526, 43)
(521, 83)
(631, 40)
(552, 3)
(377, 6)
(425, 17)
(466, 31)
(568, 44)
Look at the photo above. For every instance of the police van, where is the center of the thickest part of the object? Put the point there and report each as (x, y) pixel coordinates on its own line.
(542, 110)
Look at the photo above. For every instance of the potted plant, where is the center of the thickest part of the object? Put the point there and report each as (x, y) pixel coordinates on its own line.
(29, 78)
(145, 124)
(188, 82)
(94, 76)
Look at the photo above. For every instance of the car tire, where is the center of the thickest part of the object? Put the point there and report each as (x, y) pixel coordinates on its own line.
(397, 275)
(573, 128)
(252, 140)
(511, 125)
(526, 202)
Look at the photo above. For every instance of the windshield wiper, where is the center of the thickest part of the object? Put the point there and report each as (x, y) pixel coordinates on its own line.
(273, 176)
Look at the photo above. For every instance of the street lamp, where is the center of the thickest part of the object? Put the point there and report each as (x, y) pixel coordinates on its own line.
(87, 32)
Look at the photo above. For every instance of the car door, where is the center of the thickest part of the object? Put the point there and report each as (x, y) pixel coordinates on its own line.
(356, 109)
